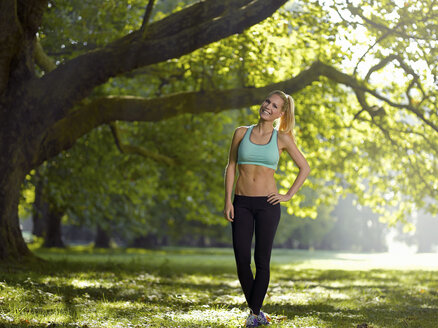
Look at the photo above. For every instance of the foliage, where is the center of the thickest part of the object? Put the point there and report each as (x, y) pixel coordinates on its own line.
(95, 184)
(230, 63)
(199, 288)
(388, 160)
(129, 192)
(393, 48)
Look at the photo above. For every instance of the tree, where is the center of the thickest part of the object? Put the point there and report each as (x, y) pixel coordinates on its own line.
(382, 121)
(34, 111)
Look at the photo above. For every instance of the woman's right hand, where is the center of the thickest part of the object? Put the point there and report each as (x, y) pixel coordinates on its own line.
(229, 211)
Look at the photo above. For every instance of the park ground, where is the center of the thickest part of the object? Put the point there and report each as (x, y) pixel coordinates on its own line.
(192, 287)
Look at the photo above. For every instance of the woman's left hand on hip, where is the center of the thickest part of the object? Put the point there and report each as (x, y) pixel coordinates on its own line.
(275, 198)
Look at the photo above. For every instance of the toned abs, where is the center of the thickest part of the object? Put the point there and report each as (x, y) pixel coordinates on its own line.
(255, 180)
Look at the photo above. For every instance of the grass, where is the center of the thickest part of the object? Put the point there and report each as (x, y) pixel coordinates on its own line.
(186, 287)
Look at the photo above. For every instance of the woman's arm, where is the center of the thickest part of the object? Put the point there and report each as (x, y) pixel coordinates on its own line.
(292, 149)
(230, 173)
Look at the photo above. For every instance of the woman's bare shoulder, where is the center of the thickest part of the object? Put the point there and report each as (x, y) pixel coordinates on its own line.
(284, 135)
(240, 130)
(285, 138)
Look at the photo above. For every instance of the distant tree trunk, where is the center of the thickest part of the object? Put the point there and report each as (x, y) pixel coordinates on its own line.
(148, 241)
(164, 241)
(289, 243)
(102, 239)
(40, 209)
(202, 241)
(302, 246)
(53, 231)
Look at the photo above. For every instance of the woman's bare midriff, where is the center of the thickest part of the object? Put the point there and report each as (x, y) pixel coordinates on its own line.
(255, 180)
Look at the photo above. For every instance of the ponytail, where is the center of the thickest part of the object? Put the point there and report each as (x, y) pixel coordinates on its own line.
(287, 121)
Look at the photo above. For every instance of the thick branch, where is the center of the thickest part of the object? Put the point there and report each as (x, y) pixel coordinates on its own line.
(108, 109)
(59, 90)
(192, 16)
(137, 150)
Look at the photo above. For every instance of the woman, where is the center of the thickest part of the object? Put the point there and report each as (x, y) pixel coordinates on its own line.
(256, 204)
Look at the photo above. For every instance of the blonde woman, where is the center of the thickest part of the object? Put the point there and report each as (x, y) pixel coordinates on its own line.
(255, 151)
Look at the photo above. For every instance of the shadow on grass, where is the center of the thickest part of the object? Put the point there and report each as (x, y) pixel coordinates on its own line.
(178, 281)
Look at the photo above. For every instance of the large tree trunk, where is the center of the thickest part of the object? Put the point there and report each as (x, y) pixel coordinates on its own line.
(12, 245)
(18, 149)
(19, 21)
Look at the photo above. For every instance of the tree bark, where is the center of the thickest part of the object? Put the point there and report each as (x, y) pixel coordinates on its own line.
(40, 209)
(148, 241)
(53, 236)
(102, 239)
(12, 245)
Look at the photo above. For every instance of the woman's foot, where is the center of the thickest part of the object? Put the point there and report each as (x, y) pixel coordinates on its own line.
(251, 321)
(263, 319)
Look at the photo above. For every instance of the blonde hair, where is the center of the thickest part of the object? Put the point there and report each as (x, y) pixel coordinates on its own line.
(287, 121)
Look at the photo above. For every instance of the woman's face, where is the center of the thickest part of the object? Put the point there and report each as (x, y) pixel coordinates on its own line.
(270, 109)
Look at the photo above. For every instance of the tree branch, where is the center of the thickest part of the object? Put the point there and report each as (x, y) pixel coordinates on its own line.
(46, 63)
(416, 170)
(193, 15)
(408, 107)
(108, 109)
(387, 60)
(409, 131)
(356, 11)
(59, 90)
(104, 110)
(131, 149)
(368, 50)
(146, 17)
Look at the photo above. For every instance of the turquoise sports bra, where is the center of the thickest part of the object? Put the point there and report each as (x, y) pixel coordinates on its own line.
(264, 155)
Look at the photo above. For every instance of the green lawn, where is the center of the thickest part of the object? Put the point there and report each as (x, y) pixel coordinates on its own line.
(185, 287)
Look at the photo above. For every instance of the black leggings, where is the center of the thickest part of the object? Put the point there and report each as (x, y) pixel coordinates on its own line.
(254, 212)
